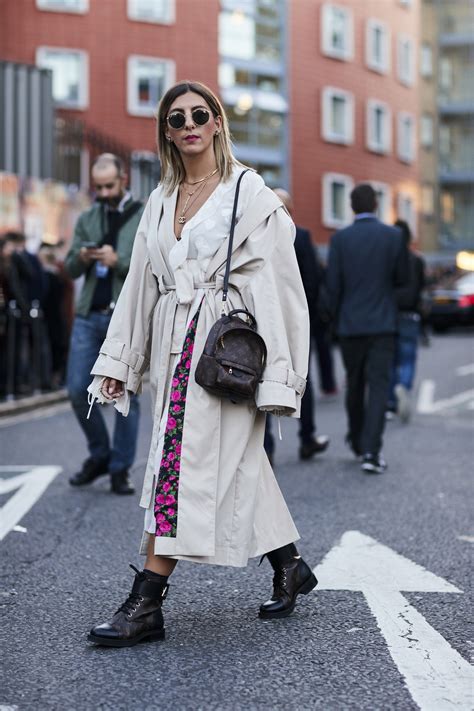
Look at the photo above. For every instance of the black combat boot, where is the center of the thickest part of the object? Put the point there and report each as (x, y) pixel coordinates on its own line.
(91, 470)
(139, 618)
(120, 483)
(292, 577)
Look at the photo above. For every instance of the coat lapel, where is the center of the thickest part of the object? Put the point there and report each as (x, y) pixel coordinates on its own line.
(257, 212)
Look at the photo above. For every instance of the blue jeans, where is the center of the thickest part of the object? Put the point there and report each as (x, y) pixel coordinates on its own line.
(403, 372)
(88, 334)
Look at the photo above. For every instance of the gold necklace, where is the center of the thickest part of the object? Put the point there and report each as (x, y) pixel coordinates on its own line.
(201, 180)
(187, 204)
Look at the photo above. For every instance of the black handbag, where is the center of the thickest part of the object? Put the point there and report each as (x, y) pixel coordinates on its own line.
(234, 355)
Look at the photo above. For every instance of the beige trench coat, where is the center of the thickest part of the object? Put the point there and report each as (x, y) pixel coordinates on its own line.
(230, 506)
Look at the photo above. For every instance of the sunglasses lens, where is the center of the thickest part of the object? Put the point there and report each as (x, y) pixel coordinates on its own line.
(200, 116)
(176, 120)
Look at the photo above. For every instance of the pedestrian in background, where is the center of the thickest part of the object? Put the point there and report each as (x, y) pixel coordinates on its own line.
(209, 492)
(311, 276)
(101, 250)
(408, 331)
(367, 261)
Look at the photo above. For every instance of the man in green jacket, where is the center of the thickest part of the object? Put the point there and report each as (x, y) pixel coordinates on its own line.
(101, 252)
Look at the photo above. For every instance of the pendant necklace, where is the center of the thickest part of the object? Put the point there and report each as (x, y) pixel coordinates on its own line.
(187, 204)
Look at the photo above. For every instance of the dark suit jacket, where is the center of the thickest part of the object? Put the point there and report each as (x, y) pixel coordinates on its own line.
(310, 269)
(367, 261)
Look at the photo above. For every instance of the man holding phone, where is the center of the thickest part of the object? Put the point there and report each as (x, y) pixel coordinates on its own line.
(101, 251)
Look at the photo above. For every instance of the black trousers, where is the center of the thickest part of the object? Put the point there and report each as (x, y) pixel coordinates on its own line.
(368, 362)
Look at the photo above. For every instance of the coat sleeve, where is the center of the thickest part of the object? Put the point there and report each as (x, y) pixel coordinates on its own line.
(125, 353)
(276, 297)
(74, 266)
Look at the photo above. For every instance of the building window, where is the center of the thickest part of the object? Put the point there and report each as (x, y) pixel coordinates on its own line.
(144, 173)
(379, 120)
(406, 210)
(406, 137)
(406, 60)
(337, 32)
(156, 11)
(70, 69)
(447, 207)
(337, 115)
(78, 6)
(427, 200)
(384, 200)
(336, 199)
(377, 46)
(426, 131)
(426, 60)
(148, 78)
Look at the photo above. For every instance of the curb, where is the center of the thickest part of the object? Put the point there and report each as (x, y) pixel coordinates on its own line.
(32, 402)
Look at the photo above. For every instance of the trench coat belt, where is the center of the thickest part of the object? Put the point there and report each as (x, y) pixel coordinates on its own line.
(185, 287)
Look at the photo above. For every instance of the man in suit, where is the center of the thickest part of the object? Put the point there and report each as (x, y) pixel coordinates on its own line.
(311, 276)
(367, 261)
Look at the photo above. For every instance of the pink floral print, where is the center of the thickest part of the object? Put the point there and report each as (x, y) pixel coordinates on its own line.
(166, 493)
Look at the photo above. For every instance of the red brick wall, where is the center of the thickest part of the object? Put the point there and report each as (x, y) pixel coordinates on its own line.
(110, 37)
(310, 71)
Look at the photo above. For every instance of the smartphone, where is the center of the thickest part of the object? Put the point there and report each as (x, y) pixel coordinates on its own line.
(90, 245)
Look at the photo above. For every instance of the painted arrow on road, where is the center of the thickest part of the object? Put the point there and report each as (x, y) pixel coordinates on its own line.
(30, 485)
(427, 405)
(437, 677)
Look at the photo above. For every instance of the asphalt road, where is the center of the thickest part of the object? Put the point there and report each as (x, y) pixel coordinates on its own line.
(64, 569)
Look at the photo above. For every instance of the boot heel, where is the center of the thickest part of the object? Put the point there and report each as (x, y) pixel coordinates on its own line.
(309, 585)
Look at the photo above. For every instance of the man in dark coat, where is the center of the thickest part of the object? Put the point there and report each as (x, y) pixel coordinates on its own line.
(367, 261)
(311, 276)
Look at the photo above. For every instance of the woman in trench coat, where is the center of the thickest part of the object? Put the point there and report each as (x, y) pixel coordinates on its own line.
(210, 495)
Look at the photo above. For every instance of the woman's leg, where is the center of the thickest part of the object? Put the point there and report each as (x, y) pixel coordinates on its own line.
(292, 577)
(157, 563)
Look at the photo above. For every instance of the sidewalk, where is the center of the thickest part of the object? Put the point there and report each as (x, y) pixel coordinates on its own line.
(31, 402)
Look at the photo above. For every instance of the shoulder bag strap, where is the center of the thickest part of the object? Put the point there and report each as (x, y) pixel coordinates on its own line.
(231, 239)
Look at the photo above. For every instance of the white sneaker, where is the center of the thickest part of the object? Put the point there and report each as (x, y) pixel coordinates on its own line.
(403, 403)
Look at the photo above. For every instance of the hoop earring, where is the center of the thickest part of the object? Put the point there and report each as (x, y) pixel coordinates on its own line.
(168, 138)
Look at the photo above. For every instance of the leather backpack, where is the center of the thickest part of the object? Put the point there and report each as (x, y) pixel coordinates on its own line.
(234, 356)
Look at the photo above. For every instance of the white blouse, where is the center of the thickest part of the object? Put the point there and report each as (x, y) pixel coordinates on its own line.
(202, 236)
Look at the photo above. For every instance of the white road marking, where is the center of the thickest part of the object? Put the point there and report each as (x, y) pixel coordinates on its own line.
(436, 676)
(30, 486)
(428, 406)
(465, 369)
(467, 539)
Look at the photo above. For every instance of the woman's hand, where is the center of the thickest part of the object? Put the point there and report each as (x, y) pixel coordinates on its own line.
(112, 389)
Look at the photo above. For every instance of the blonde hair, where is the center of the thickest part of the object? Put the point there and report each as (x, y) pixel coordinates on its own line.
(172, 168)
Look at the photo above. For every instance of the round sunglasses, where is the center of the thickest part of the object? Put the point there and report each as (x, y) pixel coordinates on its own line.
(177, 119)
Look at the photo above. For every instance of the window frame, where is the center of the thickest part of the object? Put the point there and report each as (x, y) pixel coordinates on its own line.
(408, 78)
(83, 93)
(133, 106)
(83, 10)
(426, 60)
(169, 20)
(386, 189)
(371, 106)
(424, 119)
(326, 47)
(383, 67)
(328, 218)
(409, 155)
(401, 214)
(327, 133)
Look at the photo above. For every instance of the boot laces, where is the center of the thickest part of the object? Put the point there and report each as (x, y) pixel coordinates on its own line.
(131, 604)
(280, 579)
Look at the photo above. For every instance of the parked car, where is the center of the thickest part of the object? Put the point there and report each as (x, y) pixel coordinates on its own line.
(452, 302)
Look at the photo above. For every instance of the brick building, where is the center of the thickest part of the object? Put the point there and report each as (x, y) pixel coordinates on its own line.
(320, 95)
